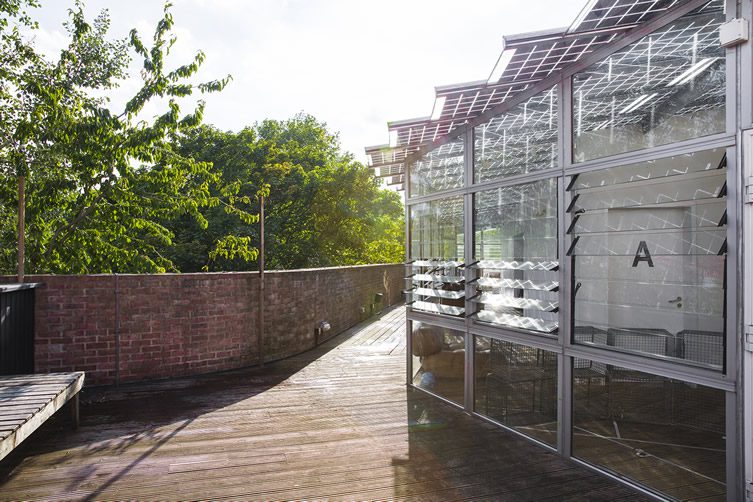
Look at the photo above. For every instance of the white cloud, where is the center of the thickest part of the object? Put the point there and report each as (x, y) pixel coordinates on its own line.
(353, 64)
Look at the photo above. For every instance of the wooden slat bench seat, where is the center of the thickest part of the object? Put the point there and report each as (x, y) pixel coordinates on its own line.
(27, 401)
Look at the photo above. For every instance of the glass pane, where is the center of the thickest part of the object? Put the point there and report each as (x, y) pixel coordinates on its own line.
(515, 229)
(436, 229)
(665, 434)
(649, 255)
(517, 386)
(439, 360)
(438, 286)
(440, 169)
(521, 140)
(667, 87)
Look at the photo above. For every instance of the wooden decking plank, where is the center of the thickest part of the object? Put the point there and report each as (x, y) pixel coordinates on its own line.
(334, 423)
(29, 415)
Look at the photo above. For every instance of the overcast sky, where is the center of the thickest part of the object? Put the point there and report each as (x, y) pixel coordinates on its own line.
(354, 64)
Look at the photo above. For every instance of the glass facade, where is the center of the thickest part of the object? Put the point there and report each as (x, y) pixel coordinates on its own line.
(648, 257)
(515, 231)
(436, 229)
(522, 140)
(596, 294)
(667, 87)
(662, 433)
(517, 386)
(440, 169)
(438, 360)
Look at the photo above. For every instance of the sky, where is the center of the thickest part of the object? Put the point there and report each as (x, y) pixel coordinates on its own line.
(354, 64)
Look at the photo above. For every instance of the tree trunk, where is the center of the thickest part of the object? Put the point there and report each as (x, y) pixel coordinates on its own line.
(21, 230)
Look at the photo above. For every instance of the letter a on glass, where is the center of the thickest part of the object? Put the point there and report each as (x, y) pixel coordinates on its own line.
(643, 255)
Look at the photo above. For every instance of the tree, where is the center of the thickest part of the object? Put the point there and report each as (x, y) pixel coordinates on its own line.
(323, 208)
(101, 184)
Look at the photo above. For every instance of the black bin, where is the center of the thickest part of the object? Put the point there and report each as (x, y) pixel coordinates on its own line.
(17, 328)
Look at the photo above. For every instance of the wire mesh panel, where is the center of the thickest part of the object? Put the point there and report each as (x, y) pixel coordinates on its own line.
(517, 386)
(666, 434)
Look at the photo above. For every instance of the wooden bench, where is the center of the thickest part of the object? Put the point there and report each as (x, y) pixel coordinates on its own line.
(27, 401)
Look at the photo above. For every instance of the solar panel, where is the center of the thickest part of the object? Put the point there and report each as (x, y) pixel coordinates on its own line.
(602, 14)
(529, 58)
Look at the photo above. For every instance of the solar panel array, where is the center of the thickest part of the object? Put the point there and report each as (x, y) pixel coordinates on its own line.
(525, 60)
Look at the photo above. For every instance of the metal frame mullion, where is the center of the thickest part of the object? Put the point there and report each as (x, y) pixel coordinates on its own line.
(746, 300)
(565, 368)
(446, 194)
(469, 256)
(408, 252)
(565, 95)
(654, 366)
(721, 140)
(737, 112)
(539, 342)
(518, 179)
(408, 352)
(745, 72)
(440, 320)
(733, 320)
(564, 362)
(735, 477)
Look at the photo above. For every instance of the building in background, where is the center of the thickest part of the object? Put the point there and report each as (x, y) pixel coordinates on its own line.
(576, 228)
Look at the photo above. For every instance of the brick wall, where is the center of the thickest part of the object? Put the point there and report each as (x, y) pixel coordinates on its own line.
(124, 328)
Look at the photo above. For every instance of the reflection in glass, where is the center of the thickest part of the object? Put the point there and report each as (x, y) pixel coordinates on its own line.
(648, 244)
(439, 360)
(517, 386)
(667, 87)
(438, 286)
(663, 433)
(516, 245)
(436, 229)
(440, 169)
(521, 140)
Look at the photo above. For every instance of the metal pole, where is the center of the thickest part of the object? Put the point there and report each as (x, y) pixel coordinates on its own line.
(261, 281)
(21, 230)
(117, 331)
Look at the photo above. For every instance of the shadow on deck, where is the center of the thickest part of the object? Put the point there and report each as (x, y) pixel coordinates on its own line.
(334, 423)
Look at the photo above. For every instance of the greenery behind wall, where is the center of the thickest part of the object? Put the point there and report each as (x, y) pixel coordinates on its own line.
(108, 191)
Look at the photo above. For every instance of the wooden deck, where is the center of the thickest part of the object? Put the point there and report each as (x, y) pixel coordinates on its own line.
(336, 423)
(27, 401)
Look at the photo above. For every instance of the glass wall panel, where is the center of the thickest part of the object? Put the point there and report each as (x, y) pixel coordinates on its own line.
(439, 360)
(649, 257)
(517, 386)
(436, 229)
(438, 286)
(521, 140)
(665, 434)
(667, 87)
(440, 169)
(515, 230)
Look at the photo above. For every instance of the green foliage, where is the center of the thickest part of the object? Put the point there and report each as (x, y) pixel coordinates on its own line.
(321, 207)
(101, 185)
(109, 192)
